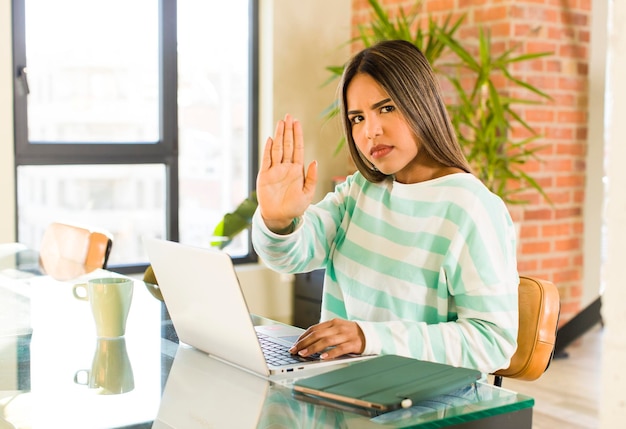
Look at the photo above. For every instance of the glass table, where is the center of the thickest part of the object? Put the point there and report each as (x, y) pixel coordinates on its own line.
(55, 373)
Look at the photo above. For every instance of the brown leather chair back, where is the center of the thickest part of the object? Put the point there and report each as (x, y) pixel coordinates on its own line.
(539, 309)
(69, 251)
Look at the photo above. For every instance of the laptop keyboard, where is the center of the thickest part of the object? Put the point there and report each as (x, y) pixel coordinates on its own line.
(278, 354)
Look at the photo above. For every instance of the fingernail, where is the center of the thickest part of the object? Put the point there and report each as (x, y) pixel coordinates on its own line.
(323, 355)
(302, 352)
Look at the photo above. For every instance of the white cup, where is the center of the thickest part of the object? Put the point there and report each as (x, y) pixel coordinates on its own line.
(110, 372)
(110, 300)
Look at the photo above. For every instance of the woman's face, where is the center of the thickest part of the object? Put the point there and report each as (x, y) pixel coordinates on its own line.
(379, 130)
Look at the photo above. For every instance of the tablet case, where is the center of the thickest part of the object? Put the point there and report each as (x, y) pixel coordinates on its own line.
(383, 384)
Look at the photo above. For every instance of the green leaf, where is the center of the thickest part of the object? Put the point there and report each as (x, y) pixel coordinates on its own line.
(235, 222)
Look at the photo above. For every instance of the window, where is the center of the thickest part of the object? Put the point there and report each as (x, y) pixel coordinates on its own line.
(139, 117)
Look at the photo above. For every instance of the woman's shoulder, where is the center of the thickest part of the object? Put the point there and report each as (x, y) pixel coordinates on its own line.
(464, 188)
(356, 182)
(465, 182)
(355, 178)
(459, 189)
(460, 180)
(457, 182)
(473, 196)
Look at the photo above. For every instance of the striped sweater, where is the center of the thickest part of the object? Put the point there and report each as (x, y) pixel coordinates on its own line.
(428, 270)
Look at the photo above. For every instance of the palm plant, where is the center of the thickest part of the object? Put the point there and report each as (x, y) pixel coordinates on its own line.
(484, 117)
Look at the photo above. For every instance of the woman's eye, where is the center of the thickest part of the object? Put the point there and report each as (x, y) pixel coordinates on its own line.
(356, 119)
(387, 109)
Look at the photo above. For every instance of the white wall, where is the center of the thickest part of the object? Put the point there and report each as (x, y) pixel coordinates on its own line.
(7, 178)
(613, 401)
(594, 188)
(295, 49)
(307, 36)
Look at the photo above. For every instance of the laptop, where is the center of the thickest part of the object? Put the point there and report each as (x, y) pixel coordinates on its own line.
(203, 296)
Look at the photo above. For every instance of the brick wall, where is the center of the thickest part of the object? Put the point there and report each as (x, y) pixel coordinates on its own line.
(550, 244)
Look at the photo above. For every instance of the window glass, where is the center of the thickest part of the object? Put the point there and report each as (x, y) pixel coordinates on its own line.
(213, 98)
(126, 200)
(137, 119)
(92, 71)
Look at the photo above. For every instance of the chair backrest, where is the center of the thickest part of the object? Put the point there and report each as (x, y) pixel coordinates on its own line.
(69, 251)
(539, 309)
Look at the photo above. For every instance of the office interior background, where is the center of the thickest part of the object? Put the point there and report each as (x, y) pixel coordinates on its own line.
(575, 243)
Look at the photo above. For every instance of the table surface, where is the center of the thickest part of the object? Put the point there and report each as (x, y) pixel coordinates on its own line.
(48, 351)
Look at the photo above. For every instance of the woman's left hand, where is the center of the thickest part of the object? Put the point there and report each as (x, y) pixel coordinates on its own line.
(331, 339)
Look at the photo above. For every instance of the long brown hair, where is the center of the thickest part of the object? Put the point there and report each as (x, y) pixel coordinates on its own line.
(403, 71)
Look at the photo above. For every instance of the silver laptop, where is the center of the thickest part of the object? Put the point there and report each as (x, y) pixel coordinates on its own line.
(209, 312)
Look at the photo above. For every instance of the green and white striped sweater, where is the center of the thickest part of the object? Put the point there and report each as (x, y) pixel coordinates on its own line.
(427, 270)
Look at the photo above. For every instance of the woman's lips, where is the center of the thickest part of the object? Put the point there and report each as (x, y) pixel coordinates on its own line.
(380, 151)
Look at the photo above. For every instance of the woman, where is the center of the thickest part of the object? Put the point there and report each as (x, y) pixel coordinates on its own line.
(419, 255)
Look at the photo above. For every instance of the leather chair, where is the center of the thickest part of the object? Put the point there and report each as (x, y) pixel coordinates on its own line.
(539, 310)
(69, 251)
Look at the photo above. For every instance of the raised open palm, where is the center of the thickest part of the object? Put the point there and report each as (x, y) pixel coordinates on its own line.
(284, 191)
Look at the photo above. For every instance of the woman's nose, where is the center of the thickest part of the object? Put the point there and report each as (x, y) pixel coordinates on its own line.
(373, 128)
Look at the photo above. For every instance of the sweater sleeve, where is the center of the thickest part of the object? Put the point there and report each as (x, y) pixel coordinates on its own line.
(308, 246)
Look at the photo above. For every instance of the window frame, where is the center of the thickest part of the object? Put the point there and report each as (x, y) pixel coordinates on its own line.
(164, 151)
